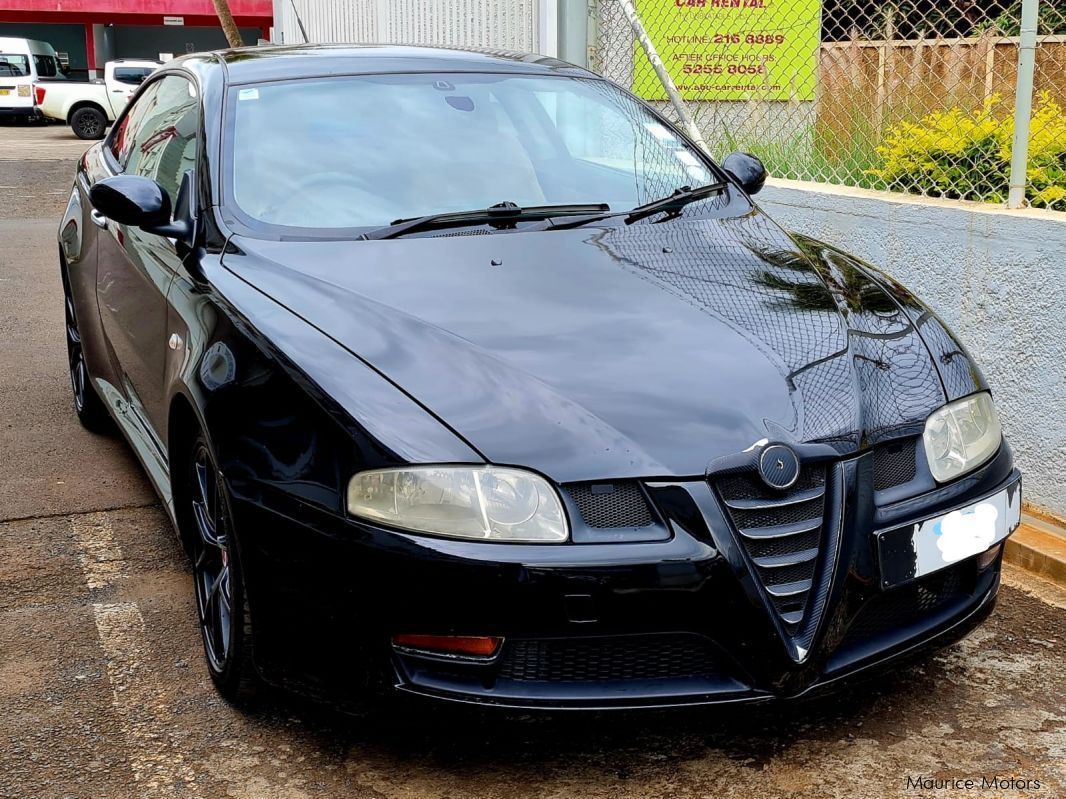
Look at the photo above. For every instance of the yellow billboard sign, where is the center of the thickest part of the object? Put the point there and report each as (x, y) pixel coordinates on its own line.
(731, 49)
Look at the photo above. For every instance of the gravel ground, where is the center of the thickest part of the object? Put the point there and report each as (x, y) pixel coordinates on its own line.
(103, 692)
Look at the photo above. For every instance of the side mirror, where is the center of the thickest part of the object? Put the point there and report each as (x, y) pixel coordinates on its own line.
(131, 200)
(747, 170)
(138, 201)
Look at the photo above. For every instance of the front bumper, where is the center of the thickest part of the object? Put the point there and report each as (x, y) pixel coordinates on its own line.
(600, 625)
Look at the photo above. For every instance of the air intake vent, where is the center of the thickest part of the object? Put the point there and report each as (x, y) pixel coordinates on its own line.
(631, 657)
(782, 533)
(894, 463)
(480, 231)
(611, 505)
(910, 604)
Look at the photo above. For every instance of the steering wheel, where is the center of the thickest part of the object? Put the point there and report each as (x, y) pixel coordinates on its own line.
(324, 199)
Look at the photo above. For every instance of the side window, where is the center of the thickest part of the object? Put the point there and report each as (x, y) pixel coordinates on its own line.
(132, 76)
(16, 66)
(124, 136)
(46, 66)
(158, 137)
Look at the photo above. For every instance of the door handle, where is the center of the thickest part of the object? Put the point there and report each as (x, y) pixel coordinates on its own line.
(98, 219)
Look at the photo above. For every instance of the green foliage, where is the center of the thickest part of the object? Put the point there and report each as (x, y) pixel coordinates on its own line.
(966, 155)
(1051, 19)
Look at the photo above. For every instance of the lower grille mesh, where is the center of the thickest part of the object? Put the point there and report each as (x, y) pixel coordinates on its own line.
(907, 604)
(782, 533)
(629, 657)
(615, 505)
(895, 464)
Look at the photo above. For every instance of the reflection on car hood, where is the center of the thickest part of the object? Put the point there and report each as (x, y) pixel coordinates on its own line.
(642, 350)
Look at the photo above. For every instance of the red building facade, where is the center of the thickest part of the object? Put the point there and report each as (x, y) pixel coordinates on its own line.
(91, 32)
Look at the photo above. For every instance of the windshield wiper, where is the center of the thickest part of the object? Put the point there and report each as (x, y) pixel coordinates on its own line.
(501, 215)
(672, 204)
(676, 201)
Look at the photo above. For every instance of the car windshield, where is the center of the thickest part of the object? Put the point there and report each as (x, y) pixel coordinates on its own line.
(12, 65)
(364, 151)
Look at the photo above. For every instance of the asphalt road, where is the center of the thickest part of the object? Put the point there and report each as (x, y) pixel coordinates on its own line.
(103, 692)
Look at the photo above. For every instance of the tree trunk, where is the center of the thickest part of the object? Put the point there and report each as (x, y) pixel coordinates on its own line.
(229, 27)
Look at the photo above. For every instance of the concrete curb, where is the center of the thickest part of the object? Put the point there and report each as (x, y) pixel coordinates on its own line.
(1039, 547)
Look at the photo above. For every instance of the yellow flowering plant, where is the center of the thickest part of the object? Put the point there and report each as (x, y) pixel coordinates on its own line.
(966, 155)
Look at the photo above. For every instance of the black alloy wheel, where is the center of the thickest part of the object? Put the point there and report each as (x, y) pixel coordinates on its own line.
(88, 123)
(223, 613)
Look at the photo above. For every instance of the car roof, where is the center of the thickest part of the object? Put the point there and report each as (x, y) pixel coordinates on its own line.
(19, 46)
(276, 62)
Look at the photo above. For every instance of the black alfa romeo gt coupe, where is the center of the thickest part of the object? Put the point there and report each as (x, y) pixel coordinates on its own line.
(467, 375)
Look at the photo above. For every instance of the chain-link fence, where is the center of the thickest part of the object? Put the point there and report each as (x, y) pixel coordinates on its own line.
(906, 95)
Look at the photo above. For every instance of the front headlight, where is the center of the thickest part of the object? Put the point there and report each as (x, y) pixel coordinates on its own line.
(961, 436)
(489, 503)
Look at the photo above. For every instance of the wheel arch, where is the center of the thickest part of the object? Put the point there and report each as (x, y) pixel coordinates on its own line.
(80, 104)
(183, 423)
(77, 275)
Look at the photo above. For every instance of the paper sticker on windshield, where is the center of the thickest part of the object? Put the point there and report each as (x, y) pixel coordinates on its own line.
(659, 131)
(248, 94)
(686, 158)
(698, 173)
(692, 165)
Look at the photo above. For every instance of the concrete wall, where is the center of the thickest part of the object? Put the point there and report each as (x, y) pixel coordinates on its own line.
(997, 277)
(503, 24)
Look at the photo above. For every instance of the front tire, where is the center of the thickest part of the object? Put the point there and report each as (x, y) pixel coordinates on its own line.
(88, 123)
(222, 608)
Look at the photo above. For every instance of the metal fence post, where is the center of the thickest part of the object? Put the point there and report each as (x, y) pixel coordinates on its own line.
(664, 76)
(593, 56)
(574, 31)
(1023, 104)
(548, 27)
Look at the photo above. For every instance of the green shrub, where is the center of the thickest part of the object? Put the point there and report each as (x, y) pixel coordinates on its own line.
(966, 155)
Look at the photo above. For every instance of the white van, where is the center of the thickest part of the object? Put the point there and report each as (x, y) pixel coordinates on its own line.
(22, 61)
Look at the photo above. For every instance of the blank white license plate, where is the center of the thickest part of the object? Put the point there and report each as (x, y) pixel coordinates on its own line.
(918, 549)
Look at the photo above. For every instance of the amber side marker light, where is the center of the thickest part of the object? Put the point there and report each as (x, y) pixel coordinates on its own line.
(471, 646)
(988, 558)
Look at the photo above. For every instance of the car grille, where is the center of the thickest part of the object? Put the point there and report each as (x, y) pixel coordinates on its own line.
(899, 607)
(895, 463)
(611, 505)
(452, 233)
(781, 531)
(627, 657)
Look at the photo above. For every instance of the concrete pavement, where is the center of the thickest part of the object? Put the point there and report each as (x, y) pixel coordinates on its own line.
(38, 142)
(103, 691)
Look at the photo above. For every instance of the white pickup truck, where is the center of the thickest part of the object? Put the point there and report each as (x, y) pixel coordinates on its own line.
(88, 107)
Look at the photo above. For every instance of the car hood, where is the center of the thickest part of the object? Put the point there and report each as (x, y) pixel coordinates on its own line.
(643, 350)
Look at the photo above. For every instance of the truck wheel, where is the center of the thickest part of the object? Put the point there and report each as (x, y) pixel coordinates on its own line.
(88, 123)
